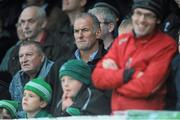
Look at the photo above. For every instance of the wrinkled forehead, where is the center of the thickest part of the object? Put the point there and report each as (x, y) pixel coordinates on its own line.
(83, 22)
(143, 10)
(29, 13)
(28, 48)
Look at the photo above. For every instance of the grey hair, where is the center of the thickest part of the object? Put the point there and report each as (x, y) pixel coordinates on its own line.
(96, 24)
(107, 14)
(41, 13)
(35, 43)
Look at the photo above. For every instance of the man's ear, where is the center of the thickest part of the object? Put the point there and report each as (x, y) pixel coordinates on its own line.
(44, 24)
(83, 3)
(43, 57)
(98, 33)
(43, 104)
(111, 27)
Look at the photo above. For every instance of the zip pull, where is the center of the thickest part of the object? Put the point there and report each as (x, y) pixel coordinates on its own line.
(128, 63)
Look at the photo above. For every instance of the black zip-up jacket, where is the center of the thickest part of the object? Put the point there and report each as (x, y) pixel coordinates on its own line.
(88, 102)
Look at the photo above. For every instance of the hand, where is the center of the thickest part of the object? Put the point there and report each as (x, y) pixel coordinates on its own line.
(109, 64)
(66, 102)
(139, 74)
(128, 74)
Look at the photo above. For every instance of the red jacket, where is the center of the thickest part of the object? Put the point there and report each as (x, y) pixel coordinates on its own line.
(151, 56)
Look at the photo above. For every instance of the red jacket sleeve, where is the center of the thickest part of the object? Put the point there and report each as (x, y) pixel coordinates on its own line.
(108, 78)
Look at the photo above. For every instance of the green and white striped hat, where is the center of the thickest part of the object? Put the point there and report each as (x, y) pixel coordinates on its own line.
(40, 87)
(11, 106)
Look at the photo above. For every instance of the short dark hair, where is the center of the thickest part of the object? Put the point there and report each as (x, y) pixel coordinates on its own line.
(35, 43)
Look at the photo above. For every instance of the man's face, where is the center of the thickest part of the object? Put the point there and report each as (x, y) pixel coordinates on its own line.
(70, 5)
(85, 37)
(31, 102)
(70, 86)
(144, 22)
(19, 31)
(178, 2)
(105, 28)
(30, 23)
(30, 59)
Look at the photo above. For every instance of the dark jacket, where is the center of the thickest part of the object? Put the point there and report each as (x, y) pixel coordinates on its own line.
(173, 93)
(53, 76)
(176, 66)
(5, 79)
(99, 55)
(172, 26)
(88, 102)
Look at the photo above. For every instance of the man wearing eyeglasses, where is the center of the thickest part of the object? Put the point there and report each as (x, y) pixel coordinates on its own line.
(137, 64)
(107, 17)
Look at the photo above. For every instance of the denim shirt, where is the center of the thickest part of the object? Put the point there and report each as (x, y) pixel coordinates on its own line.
(16, 85)
(91, 57)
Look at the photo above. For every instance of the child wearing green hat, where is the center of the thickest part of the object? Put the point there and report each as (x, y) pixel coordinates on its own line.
(36, 96)
(78, 98)
(8, 109)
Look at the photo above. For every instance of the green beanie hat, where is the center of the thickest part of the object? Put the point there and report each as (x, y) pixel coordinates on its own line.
(40, 87)
(73, 111)
(77, 69)
(11, 106)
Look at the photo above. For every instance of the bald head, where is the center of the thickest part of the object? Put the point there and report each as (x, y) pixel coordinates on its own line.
(33, 21)
(34, 11)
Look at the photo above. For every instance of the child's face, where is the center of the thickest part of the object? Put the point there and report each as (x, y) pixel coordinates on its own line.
(32, 102)
(4, 114)
(70, 86)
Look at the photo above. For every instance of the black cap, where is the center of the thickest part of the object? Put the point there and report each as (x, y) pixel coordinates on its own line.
(152, 5)
(104, 4)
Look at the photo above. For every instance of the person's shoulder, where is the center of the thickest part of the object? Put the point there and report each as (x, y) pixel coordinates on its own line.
(127, 34)
(124, 38)
(166, 38)
(44, 113)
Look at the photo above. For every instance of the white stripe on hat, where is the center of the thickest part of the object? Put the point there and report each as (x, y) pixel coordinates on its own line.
(41, 88)
(9, 105)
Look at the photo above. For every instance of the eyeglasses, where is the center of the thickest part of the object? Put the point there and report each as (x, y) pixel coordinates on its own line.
(147, 16)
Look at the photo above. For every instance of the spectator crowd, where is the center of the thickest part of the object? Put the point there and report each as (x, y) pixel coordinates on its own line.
(83, 57)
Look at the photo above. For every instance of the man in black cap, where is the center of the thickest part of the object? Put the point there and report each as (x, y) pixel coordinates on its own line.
(137, 64)
(107, 16)
(171, 24)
